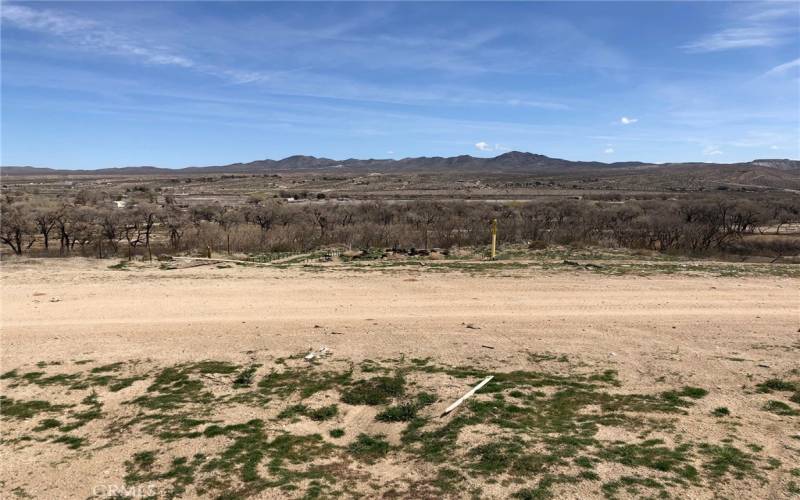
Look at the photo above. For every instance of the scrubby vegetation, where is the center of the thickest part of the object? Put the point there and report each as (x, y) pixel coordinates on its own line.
(530, 431)
(152, 222)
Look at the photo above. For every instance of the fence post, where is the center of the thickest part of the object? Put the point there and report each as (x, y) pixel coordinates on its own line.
(494, 238)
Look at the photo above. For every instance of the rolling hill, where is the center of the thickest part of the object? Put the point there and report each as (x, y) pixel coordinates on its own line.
(511, 162)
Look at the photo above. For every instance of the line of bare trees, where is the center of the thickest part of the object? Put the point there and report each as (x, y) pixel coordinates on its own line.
(101, 228)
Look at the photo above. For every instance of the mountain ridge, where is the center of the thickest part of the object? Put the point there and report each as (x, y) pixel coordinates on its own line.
(510, 162)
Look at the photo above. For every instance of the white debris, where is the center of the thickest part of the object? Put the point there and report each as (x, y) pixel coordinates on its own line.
(315, 354)
(467, 395)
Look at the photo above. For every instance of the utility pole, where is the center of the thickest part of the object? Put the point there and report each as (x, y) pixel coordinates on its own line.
(494, 238)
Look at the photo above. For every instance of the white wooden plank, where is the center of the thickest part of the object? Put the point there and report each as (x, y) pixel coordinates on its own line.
(467, 395)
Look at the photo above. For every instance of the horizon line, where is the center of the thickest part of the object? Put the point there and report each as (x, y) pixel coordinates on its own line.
(391, 160)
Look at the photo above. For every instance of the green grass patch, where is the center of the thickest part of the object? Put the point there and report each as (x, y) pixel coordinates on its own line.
(316, 414)
(21, 410)
(305, 382)
(284, 454)
(72, 442)
(780, 408)
(81, 418)
(652, 454)
(448, 480)
(179, 474)
(369, 448)
(675, 397)
(400, 413)
(775, 384)
(722, 460)
(176, 386)
(245, 377)
(113, 367)
(374, 391)
(720, 411)
(633, 485)
(104, 376)
(46, 424)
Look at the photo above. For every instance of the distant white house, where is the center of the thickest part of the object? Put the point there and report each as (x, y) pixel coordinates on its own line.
(121, 203)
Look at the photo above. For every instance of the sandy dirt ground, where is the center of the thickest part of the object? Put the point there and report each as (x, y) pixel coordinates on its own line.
(657, 332)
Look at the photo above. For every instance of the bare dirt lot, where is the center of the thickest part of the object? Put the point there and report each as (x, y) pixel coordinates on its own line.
(191, 382)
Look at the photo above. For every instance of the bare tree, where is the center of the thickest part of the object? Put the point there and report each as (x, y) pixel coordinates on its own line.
(16, 229)
(264, 215)
(46, 219)
(425, 214)
(227, 219)
(132, 229)
(320, 216)
(110, 224)
(784, 213)
(148, 216)
(84, 228)
(175, 221)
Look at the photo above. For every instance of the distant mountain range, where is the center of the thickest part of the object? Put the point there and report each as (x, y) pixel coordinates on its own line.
(512, 162)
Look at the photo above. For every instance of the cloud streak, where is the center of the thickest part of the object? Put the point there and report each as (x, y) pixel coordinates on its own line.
(107, 40)
(783, 68)
(762, 27)
(736, 38)
(88, 34)
(485, 146)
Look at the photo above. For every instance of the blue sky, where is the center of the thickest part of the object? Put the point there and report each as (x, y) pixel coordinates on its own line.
(91, 85)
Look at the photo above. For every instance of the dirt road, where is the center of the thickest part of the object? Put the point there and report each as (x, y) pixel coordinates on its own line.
(83, 309)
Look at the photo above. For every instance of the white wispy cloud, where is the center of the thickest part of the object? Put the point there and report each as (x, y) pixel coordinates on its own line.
(608, 151)
(44, 20)
(760, 24)
(769, 11)
(485, 146)
(736, 38)
(712, 151)
(105, 39)
(628, 121)
(536, 104)
(783, 68)
(89, 35)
